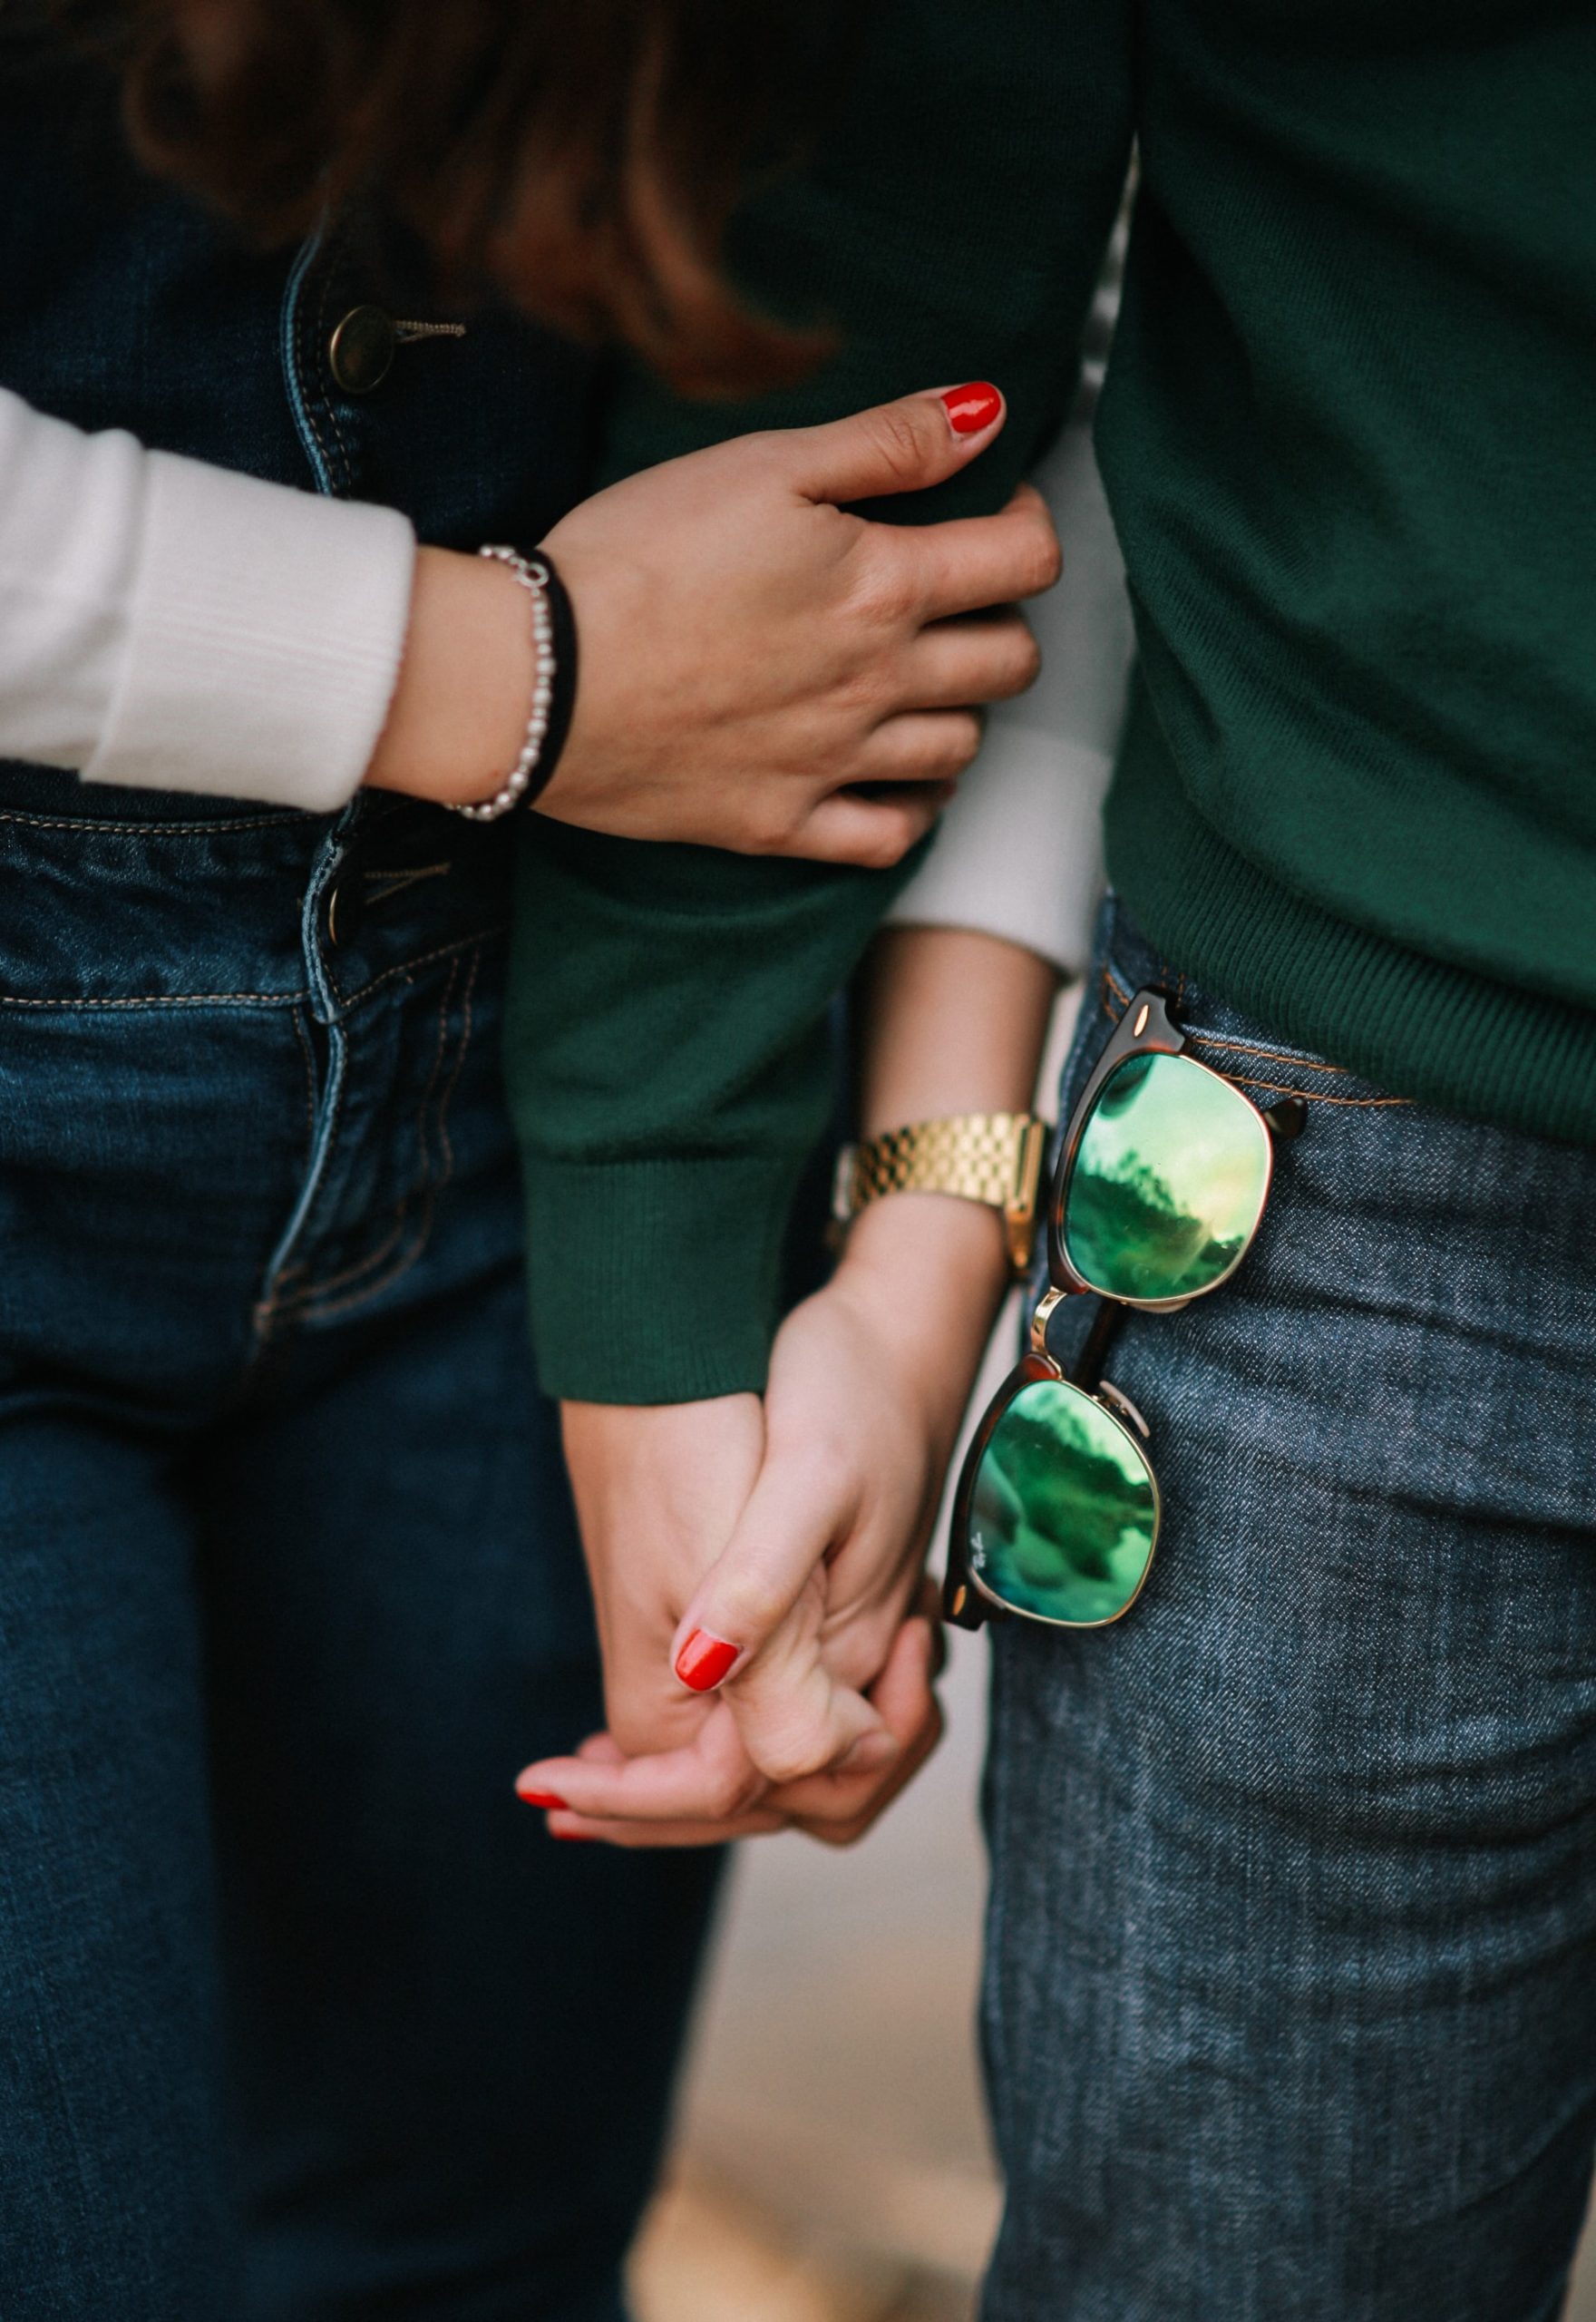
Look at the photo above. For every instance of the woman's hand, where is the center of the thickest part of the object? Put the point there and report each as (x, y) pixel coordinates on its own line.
(658, 1490)
(673, 1795)
(751, 655)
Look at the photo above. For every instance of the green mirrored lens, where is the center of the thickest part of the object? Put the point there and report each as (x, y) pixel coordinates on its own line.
(1065, 1512)
(1168, 1184)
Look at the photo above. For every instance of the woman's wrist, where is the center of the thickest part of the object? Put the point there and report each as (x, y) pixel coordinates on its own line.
(458, 719)
(931, 1271)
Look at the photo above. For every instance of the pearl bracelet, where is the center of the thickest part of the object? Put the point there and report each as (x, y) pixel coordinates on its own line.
(534, 575)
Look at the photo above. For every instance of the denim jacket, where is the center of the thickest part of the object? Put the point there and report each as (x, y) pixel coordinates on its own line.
(125, 304)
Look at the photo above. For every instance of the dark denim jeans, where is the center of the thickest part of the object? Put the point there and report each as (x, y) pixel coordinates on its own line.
(301, 2014)
(1290, 2010)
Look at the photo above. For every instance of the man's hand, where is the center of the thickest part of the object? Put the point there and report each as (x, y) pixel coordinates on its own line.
(658, 1492)
(824, 1705)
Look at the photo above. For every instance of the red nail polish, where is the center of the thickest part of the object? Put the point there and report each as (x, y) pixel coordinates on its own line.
(971, 408)
(704, 1662)
(546, 1799)
(574, 1838)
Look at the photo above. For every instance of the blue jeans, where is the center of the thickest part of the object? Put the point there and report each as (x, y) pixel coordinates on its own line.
(301, 2014)
(1291, 2007)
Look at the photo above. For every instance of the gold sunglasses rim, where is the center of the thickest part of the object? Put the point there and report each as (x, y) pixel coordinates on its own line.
(1170, 1305)
(1025, 1612)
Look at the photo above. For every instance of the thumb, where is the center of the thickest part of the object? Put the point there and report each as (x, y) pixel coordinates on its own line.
(759, 1620)
(903, 446)
(781, 1540)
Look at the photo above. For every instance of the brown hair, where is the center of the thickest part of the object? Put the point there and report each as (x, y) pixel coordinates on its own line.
(585, 156)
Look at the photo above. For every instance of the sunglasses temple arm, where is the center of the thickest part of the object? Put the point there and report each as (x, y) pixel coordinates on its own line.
(1087, 1371)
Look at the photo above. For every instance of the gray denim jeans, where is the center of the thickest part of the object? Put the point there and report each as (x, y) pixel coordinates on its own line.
(1290, 2003)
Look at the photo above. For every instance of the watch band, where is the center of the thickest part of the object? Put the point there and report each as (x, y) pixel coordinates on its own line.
(991, 1158)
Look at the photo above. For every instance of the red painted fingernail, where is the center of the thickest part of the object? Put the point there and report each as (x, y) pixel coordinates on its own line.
(704, 1662)
(546, 1799)
(971, 408)
(574, 1838)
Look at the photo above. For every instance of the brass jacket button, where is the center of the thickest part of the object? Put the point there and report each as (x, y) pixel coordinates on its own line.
(360, 352)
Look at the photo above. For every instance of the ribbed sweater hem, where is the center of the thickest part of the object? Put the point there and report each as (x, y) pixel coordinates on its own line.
(1419, 1027)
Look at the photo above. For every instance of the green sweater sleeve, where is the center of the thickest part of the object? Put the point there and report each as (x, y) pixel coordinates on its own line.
(667, 1057)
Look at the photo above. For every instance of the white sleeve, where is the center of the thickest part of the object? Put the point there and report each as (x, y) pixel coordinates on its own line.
(178, 626)
(1020, 850)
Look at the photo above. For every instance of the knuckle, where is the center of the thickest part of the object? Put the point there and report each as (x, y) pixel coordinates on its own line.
(884, 592)
(1027, 661)
(1045, 558)
(789, 1756)
(899, 440)
(959, 743)
(772, 827)
(763, 449)
(727, 1794)
(890, 839)
(839, 1836)
(753, 1603)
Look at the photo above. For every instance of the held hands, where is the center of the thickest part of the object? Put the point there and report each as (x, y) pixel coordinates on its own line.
(824, 1709)
(760, 670)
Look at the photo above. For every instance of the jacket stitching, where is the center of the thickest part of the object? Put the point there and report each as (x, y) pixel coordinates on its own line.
(1312, 1096)
(321, 339)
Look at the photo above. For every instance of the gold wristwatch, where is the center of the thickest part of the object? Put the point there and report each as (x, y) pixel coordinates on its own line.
(991, 1158)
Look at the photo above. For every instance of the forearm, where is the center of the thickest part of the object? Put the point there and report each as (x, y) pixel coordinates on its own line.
(955, 1022)
(945, 243)
(458, 716)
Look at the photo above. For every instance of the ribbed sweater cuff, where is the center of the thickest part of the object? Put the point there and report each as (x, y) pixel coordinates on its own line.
(265, 631)
(655, 1281)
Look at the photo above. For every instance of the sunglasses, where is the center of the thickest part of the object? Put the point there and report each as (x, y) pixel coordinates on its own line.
(1162, 1183)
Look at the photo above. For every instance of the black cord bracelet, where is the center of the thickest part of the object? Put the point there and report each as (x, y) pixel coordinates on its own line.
(554, 686)
(562, 707)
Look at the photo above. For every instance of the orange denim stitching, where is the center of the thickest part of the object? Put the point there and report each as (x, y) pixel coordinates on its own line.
(313, 1293)
(111, 823)
(1273, 1055)
(171, 999)
(428, 959)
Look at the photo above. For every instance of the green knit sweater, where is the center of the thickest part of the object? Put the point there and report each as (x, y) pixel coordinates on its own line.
(667, 1062)
(1348, 438)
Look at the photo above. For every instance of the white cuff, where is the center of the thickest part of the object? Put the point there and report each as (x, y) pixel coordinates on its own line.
(1020, 850)
(265, 632)
(1020, 853)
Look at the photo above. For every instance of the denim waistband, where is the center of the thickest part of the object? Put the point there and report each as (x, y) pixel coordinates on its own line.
(1233, 1041)
(135, 899)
